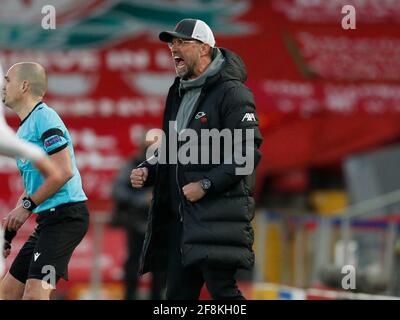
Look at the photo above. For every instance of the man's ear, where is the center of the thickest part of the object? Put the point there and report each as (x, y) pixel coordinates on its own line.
(204, 49)
(25, 86)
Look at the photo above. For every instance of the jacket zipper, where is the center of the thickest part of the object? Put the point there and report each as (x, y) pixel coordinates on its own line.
(176, 172)
(147, 243)
(180, 193)
(180, 214)
(199, 100)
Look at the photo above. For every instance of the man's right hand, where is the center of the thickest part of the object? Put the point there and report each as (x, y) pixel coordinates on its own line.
(139, 177)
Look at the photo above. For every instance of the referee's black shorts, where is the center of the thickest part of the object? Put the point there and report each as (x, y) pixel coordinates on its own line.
(50, 246)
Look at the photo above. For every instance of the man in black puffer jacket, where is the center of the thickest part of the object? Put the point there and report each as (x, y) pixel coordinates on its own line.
(199, 226)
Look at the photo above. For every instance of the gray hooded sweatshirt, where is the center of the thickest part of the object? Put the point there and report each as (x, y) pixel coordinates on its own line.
(192, 89)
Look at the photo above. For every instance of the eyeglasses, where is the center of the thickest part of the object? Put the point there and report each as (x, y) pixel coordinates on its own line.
(178, 42)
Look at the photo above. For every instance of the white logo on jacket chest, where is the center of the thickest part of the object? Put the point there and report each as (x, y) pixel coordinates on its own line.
(200, 114)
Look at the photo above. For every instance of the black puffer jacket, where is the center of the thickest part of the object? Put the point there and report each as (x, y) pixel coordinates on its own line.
(216, 229)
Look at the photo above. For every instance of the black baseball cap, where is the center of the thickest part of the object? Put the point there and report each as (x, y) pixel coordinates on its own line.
(192, 29)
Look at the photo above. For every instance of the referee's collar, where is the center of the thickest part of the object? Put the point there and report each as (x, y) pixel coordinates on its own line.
(37, 105)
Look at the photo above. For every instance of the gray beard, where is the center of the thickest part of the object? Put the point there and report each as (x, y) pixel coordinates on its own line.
(189, 73)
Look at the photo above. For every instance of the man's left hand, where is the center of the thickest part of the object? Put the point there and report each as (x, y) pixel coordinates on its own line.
(16, 218)
(6, 249)
(193, 191)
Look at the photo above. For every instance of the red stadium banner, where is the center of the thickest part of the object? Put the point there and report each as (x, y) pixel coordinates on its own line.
(321, 91)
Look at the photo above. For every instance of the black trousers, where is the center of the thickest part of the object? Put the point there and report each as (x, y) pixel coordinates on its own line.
(185, 283)
(135, 243)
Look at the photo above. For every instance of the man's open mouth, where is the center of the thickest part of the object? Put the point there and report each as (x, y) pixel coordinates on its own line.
(179, 62)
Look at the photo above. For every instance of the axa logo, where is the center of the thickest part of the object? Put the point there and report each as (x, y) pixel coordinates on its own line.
(36, 256)
(249, 117)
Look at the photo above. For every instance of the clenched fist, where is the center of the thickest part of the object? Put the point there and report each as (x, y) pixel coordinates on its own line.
(139, 177)
(193, 191)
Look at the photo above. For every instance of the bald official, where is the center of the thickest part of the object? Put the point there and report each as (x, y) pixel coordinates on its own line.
(62, 216)
(35, 75)
(11, 146)
(32, 82)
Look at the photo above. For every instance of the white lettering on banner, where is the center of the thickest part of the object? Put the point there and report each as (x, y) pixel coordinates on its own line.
(95, 160)
(345, 58)
(78, 108)
(88, 139)
(90, 59)
(83, 60)
(72, 85)
(127, 59)
(291, 96)
(104, 107)
(149, 84)
(340, 102)
(287, 87)
(346, 98)
(311, 11)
